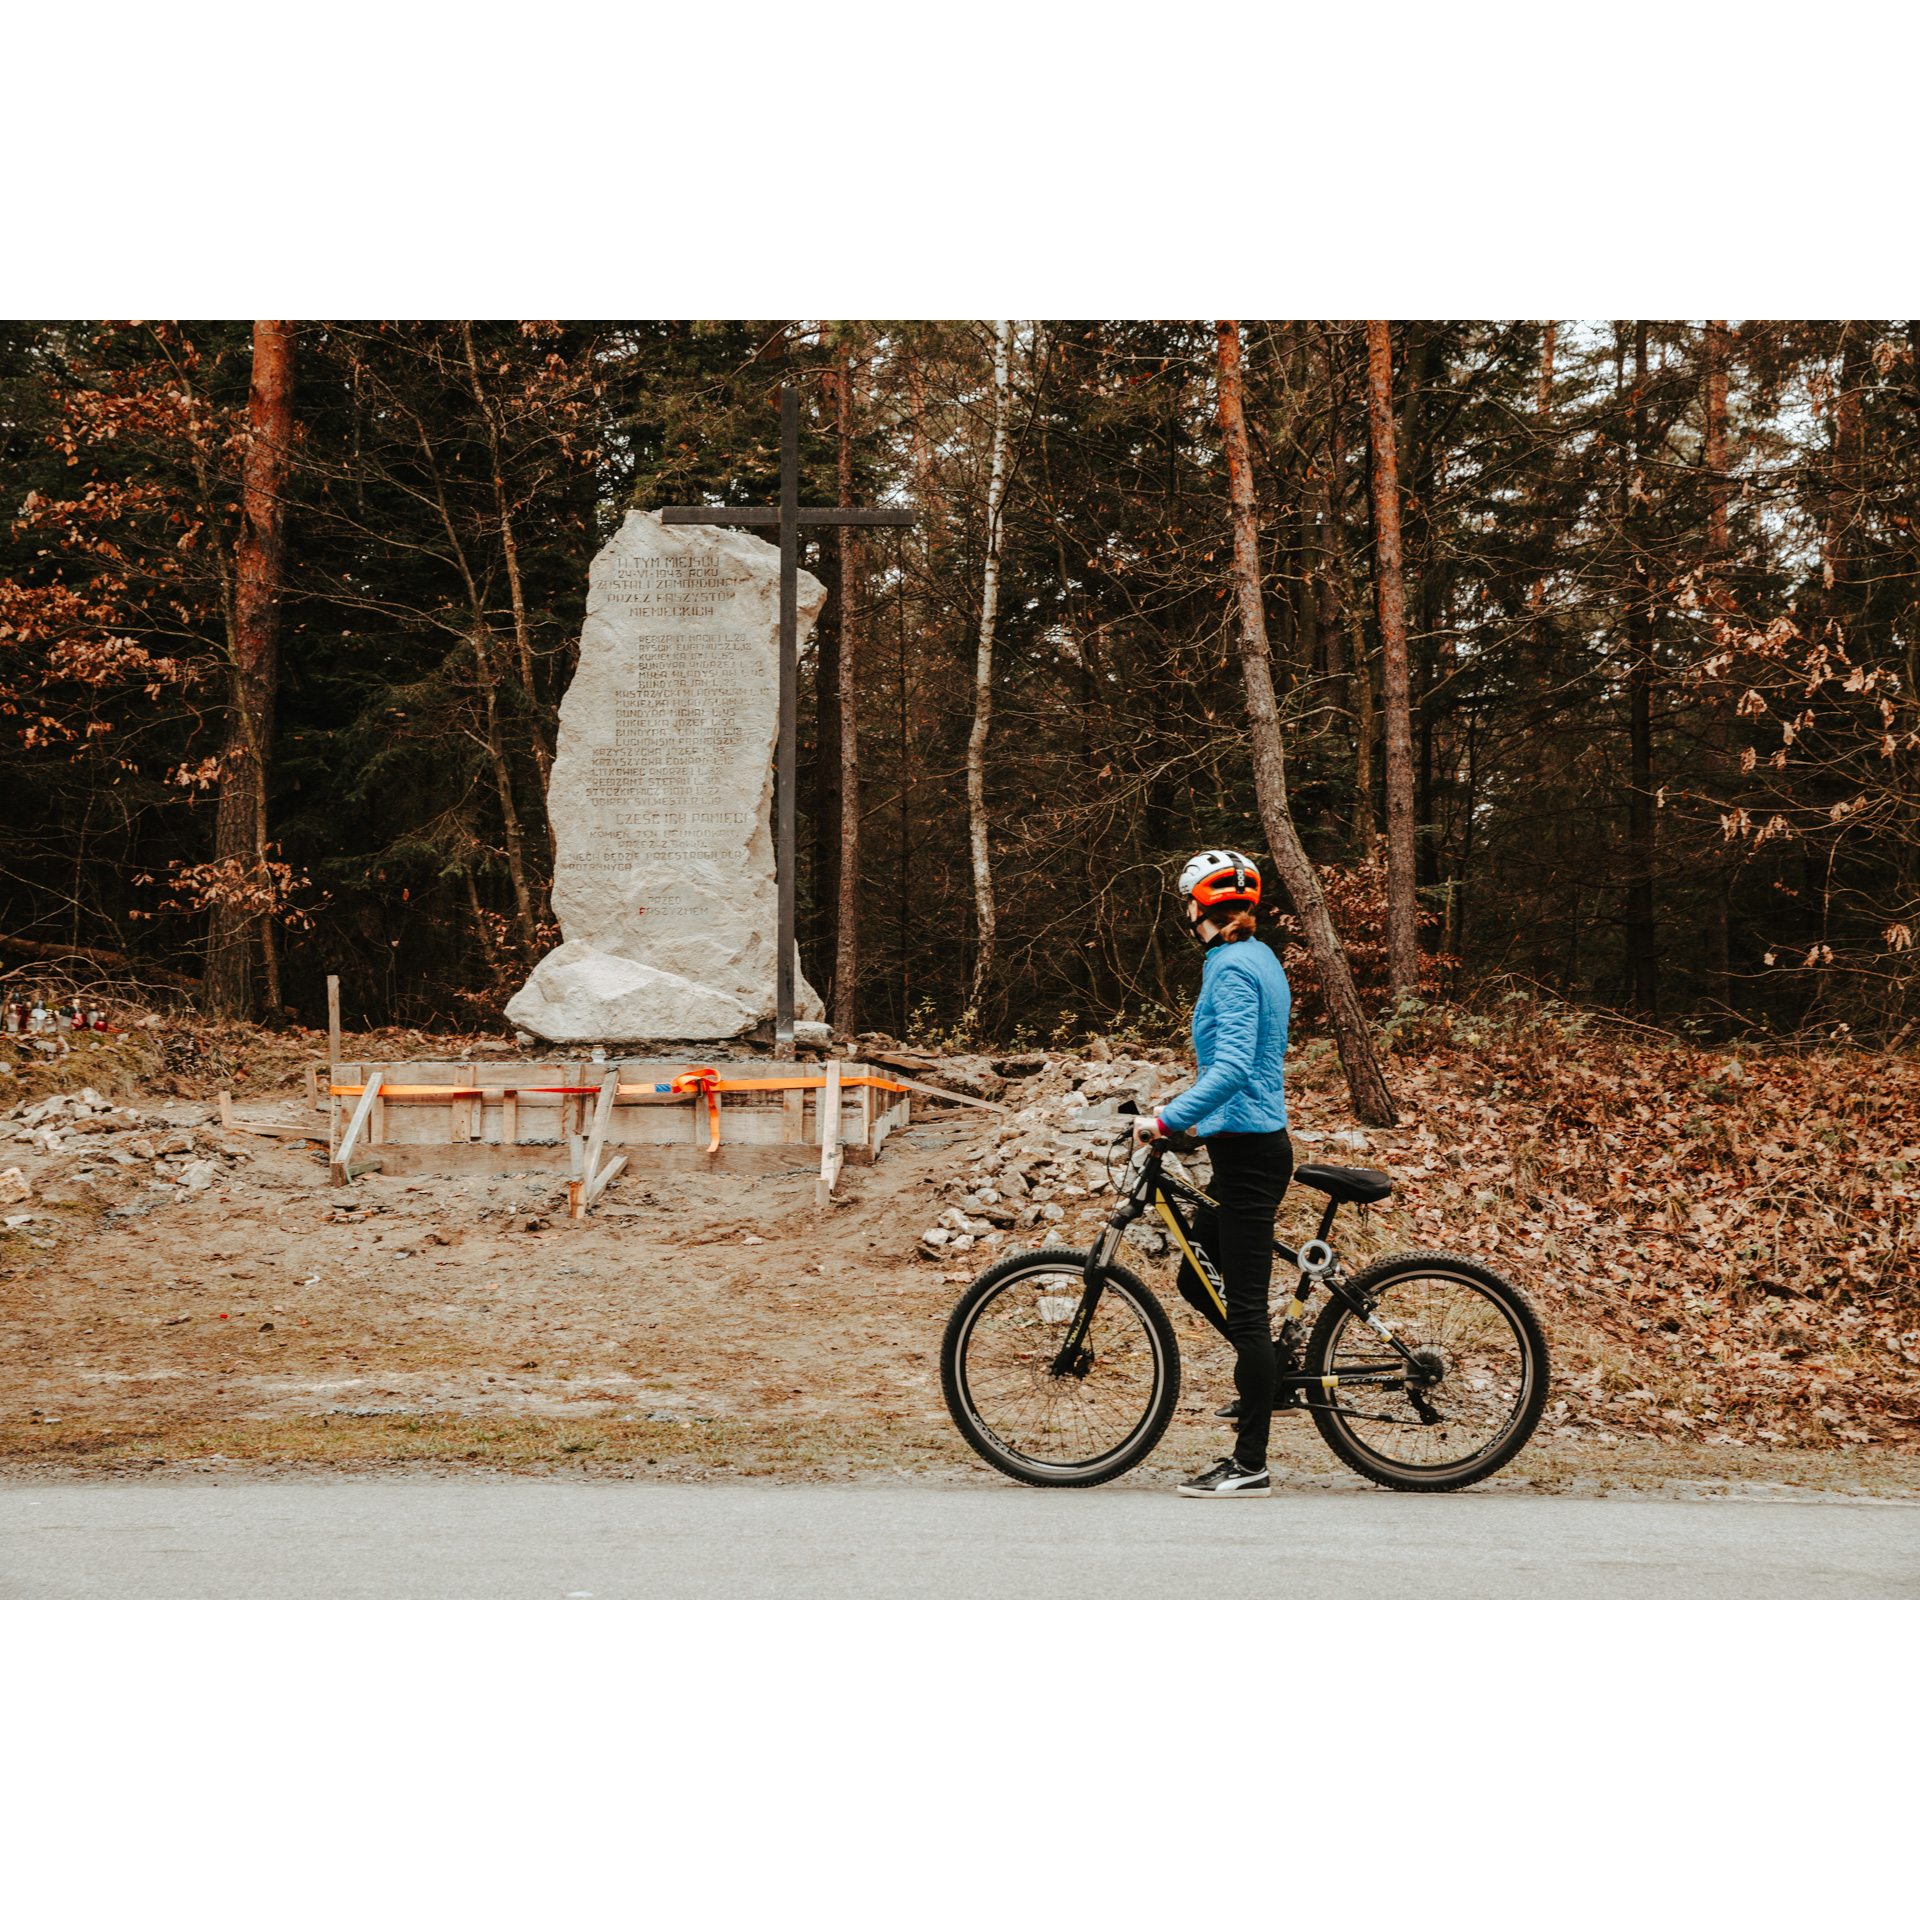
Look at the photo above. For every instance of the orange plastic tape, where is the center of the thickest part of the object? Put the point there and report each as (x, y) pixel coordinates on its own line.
(703, 1080)
(590, 1090)
(706, 1082)
(702, 1083)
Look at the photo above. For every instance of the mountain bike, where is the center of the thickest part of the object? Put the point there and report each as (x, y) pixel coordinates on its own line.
(1425, 1371)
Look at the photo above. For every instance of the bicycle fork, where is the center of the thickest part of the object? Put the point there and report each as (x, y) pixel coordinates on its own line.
(1072, 1357)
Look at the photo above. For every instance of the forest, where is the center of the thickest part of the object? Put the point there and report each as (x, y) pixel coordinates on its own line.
(1573, 659)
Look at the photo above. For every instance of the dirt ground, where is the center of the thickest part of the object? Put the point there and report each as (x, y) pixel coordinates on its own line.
(695, 1325)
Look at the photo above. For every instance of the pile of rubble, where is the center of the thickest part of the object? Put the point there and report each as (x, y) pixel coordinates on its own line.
(1060, 1151)
(73, 1146)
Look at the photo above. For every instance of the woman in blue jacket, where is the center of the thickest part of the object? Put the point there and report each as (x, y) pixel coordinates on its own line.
(1239, 1108)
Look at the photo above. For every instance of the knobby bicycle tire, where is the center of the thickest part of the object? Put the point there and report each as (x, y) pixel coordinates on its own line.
(996, 1371)
(1493, 1373)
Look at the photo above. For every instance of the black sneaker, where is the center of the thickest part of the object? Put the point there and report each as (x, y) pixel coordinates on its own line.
(1231, 1411)
(1228, 1480)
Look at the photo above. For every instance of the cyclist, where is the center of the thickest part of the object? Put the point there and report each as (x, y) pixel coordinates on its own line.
(1239, 1108)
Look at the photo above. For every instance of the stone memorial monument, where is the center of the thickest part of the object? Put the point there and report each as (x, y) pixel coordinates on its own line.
(664, 880)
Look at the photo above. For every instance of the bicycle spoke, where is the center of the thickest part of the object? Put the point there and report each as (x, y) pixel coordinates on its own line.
(1473, 1346)
(1059, 1420)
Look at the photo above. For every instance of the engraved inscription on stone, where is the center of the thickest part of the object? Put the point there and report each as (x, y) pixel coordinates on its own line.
(664, 875)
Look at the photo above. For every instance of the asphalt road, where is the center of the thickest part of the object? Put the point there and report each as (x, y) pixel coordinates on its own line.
(426, 1538)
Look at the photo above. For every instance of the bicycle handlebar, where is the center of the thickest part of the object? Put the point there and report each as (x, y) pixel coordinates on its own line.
(1166, 1142)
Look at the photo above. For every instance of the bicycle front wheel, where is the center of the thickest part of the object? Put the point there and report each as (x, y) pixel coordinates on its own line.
(1075, 1428)
(1471, 1401)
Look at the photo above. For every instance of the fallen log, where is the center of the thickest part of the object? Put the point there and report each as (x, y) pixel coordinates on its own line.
(98, 957)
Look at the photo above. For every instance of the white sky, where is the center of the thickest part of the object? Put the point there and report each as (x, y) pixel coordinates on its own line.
(1257, 156)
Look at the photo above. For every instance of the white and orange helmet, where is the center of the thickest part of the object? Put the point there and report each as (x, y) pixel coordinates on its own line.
(1221, 879)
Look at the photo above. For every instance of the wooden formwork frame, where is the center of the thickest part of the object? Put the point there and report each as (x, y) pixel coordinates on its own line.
(458, 1116)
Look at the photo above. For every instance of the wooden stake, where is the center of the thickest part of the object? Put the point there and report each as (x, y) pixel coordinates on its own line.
(333, 1060)
(576, 1186)
(226, 1110)
(342, 1158)
(313, 1085)
(602, 1113)
(830, 1155)
(598, 1184)
(510, 1117)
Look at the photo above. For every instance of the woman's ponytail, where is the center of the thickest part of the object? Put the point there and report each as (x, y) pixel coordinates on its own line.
(1240, 927)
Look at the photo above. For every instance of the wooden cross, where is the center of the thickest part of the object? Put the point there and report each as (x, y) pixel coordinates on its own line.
(789, 516)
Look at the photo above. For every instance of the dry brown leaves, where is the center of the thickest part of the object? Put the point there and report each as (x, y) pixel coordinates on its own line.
(1724, 1240)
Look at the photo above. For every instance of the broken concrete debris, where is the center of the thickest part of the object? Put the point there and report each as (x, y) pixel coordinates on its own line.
(69, 1144)
(1061, 1145)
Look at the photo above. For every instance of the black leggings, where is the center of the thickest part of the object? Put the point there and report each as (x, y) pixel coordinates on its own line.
(1250, 1175)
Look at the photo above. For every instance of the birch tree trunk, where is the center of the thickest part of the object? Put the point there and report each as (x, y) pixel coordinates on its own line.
(1643, 961)
(1403, 946)
(1336, 615)
(1366, 712)
(1719, 961)
(846, 968)
(983, 905)
(480, 638)
(1355, 670)
(240, 827)
(524, 913)
(1844, 478)
(1543, 412)
(932, 504)
(1716, 447)
(522, 635)
(1332, 585)
(1366, 1085)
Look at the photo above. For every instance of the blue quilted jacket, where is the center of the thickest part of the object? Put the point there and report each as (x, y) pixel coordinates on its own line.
(1240, 1042)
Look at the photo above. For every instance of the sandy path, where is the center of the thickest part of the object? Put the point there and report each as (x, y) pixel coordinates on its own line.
(713, 1294)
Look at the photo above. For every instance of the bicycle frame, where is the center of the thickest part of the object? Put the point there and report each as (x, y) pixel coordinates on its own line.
(1158, 1188)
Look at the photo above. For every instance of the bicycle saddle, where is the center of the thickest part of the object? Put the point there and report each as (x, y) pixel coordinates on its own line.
(1361, 1185)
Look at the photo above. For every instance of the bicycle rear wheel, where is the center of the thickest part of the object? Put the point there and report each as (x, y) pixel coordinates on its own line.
(1075, 1429)
(1484, 1374)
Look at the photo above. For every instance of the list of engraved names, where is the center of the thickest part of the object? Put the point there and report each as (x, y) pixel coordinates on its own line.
(662, 765)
